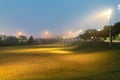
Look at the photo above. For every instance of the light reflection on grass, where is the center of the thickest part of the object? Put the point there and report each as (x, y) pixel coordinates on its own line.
(58, 62)
(40, 50)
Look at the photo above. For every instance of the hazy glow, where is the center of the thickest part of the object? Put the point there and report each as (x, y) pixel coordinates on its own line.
(107, 13)
(78, 33)
(70, 33)
(96, 20)
(19, 34)
(2, 33)
(98, 29)
(118, 6)
(46, 34)
(64, 37)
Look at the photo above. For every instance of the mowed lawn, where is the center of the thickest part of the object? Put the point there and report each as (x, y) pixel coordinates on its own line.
(57, 62)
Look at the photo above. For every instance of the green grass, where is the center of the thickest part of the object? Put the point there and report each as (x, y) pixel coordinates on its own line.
(82, 61)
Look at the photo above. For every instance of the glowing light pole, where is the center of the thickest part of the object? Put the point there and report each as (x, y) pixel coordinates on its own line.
(109, 12)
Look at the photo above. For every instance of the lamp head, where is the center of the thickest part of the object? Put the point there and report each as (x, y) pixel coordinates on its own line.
(109, 13)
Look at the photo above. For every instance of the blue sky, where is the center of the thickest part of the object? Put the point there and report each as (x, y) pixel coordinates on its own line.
(33, 17)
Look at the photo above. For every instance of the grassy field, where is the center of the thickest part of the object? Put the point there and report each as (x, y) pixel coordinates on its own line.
(59, 62)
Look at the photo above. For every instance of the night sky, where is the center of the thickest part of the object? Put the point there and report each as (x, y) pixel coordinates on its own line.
(34, 17)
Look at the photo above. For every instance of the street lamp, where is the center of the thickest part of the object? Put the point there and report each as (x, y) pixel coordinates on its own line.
(109, 12)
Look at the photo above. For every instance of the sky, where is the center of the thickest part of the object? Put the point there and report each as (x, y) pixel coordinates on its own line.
(34, 17)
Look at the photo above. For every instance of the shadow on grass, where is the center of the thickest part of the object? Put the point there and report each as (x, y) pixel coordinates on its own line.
(90, 47)
(93, 76)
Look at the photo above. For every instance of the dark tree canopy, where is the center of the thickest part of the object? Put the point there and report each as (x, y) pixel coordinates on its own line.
(93, 33)
(105, 32)
(116, 29)
(30, 40)
(11, 40)
(22, 38)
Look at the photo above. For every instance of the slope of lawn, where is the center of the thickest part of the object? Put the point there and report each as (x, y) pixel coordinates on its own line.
(60, 62)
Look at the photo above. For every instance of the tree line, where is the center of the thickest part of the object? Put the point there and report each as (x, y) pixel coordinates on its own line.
(102, 34)
(89, 34)
(23, 40)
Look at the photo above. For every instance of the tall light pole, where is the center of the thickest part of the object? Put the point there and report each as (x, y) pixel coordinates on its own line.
(110, 27)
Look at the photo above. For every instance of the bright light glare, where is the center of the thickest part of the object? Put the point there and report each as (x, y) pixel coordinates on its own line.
(70, 33)
(118, 6)
(78, 33)
(19, 33)
(109, 12)
(106, 13)
(46, 33)
(96, 19)
(98, 29)
(2, 33)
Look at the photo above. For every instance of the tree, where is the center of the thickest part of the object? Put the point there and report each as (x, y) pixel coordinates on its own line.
(89, 33)
(94, 34)
(116, 29)
(30, 40)
(11, 40)
(105, 32)
(22, 40)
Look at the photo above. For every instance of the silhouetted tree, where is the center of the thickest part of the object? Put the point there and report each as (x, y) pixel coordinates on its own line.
(96, 35)
(10, 40)
(88, 34)
(105, 32)
(22, 40)
(30, 40)
(116, 29)
(1, 41)
(93, 33)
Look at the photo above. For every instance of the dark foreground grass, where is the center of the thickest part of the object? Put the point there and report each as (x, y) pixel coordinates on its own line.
(86, 46)
(81, 61)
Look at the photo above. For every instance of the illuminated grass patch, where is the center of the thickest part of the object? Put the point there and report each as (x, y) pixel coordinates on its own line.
(53, 63)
